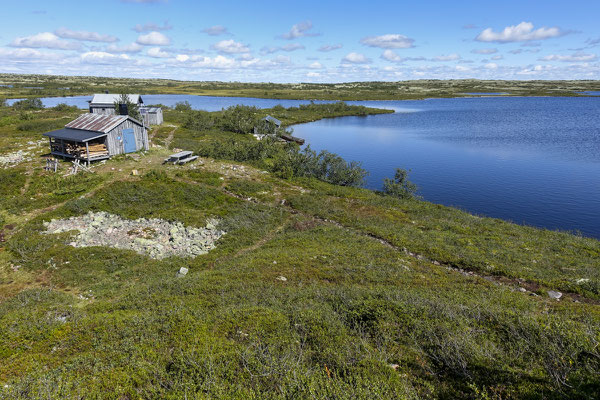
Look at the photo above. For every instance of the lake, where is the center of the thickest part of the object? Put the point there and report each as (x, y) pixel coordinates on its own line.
(530, 160)
(208, 103)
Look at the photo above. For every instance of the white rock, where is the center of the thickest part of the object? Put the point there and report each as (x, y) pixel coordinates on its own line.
(554, 294)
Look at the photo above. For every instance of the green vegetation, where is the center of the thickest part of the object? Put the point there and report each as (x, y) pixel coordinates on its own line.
(316, 291)
(418, 89)
(132, 108)
(28, 104)
(400, 186)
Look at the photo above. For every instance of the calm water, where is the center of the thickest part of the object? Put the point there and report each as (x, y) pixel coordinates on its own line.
(207, 103)
(530, 160)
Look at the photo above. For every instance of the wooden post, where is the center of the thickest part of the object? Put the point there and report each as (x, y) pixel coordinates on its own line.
(87, 151)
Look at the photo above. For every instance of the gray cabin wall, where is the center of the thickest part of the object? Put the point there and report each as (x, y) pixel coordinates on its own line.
(115, 146)
(104, 110)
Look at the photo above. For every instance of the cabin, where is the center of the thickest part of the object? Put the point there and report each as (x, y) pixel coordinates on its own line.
(104, 103)
(267, 126)
(93, 137)
(151, 115)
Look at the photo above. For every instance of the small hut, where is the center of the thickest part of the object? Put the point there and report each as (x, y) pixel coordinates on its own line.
(93, 137)
(151, 115)
(104, 103)
(267, 126)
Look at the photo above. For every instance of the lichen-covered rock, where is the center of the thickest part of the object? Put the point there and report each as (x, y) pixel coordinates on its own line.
(154, 237)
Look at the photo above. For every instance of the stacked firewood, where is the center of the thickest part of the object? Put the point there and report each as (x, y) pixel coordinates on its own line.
(78, 150)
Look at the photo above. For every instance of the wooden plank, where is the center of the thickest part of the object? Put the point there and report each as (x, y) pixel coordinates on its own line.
(181, 154)
(187, 160)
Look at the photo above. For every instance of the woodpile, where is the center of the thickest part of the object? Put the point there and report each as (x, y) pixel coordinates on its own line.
(79, 150)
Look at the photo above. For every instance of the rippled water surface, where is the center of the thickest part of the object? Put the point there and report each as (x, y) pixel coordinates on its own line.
(531, 160)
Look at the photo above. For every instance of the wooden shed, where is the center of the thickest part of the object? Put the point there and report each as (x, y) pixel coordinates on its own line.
(104, 103)
(93, 137)
(151, 115)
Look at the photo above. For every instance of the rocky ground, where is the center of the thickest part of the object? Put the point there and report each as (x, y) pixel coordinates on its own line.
(154, 237)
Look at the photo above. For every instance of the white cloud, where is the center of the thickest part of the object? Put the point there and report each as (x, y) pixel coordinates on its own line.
(130, 48)
(84, 35)
(462, 68)
(216, 30)
(575, 57)
(230, 47)
(449, 57)
(153, 38)
(315, 65)
(356, 58)
(313, 75)
(157, 52)
(27, 54)
(484, 51)
(498, 57)
(519, 33)
(45, 39)
(299, 30)
(292, 47)
(288, 47)
(330, 47)
(100, 57)
(151, 26)
(218, 62)
(391, 56)
(390, 41)
(491, 66)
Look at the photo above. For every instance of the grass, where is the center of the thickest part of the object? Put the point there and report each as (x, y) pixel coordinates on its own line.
(355, 316)
(53, 85)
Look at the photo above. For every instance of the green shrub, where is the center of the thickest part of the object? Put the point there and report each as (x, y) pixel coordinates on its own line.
(326, 166)
(28, 104)
(183, 106)
(400, 186)
(239, 119)
(65, 107)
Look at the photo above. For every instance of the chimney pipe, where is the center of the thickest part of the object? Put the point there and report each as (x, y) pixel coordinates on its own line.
(123, 109)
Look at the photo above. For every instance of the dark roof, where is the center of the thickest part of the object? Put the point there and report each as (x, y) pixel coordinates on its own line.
(272, 120)
(75, 135)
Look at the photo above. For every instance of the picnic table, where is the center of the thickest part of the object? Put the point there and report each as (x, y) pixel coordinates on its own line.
(181, 158)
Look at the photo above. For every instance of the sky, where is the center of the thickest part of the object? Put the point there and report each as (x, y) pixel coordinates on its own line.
(303, 41)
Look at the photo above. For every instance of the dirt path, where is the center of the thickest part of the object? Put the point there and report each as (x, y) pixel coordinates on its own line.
(169, 138)
(27, 182)
(152, 133)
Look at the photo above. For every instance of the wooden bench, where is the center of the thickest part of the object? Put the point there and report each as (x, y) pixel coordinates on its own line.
(175, 158)
(187, 160)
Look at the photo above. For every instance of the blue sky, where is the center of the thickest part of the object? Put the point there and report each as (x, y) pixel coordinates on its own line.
(308, 41)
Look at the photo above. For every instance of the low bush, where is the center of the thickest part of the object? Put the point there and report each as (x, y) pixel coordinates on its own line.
(325, 166)
(183, 106)
(65, 107)
(28, 104)
(400, 186)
